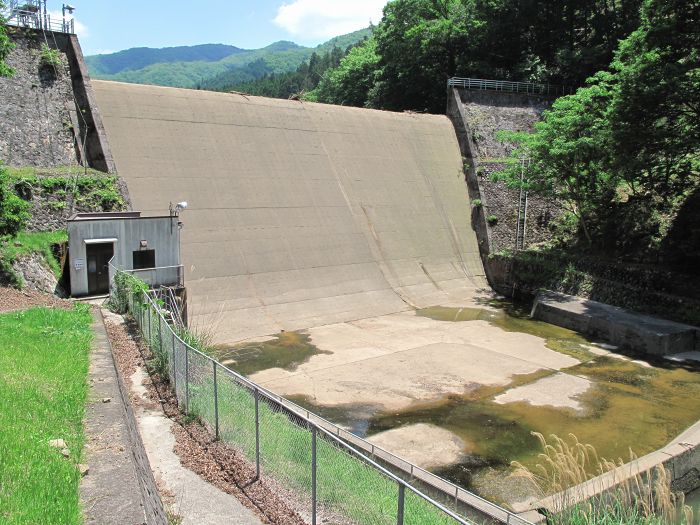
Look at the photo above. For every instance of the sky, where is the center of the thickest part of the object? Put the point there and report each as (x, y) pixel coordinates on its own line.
(106, 26)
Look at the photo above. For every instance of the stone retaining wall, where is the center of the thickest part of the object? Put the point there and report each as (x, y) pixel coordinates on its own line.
(35, 103)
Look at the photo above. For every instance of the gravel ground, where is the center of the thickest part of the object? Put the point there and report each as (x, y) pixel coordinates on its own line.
(12, 299)
(220, 464)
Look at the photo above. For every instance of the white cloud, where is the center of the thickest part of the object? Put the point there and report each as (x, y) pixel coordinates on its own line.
(311, 19)
(80, 29)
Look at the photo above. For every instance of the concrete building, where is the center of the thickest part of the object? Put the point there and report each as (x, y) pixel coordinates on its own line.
(101, 243)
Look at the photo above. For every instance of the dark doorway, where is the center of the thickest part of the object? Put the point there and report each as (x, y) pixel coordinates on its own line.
(98, 256)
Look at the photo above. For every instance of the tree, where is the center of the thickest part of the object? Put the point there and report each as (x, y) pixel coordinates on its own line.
(568, 157)
(13, 210)
(656, 113)
(352, 81)
(6, 46)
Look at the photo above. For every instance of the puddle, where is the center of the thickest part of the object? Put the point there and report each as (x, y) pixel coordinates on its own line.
(287, 350)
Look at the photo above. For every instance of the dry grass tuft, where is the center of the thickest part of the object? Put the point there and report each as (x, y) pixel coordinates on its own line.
(642, 499)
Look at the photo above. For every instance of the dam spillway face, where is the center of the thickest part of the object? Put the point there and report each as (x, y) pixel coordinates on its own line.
(299, 214)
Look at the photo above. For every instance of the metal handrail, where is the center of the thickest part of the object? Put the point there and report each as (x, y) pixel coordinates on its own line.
(18, 16)
(334, 432)
(510, 86)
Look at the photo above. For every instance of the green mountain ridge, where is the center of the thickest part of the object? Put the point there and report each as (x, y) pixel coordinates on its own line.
(194, 66)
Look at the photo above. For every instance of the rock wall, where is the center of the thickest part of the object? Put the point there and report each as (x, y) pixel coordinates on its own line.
(478, 116)
(36, 127)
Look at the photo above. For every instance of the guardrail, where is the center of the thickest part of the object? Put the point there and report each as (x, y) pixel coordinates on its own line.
(510, 87)
(336, 471)
(158, 276)
(35, 20)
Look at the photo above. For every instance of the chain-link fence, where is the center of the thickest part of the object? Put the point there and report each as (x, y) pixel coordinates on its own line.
(339, 481)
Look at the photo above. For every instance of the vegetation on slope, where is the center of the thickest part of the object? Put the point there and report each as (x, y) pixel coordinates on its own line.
(43, 369)
(622, 155)
(5, 45)
(141, 57)
(51, 193)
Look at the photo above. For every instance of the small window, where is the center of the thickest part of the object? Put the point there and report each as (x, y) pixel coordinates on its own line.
(144, 259)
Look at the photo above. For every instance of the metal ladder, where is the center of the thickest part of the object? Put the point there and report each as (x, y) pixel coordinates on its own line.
(522, 210)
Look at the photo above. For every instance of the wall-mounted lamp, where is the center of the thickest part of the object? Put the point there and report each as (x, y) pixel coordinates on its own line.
(175, 211)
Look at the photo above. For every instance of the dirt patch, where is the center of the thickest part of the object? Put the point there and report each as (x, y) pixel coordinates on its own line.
(218, 463)
(12, 299)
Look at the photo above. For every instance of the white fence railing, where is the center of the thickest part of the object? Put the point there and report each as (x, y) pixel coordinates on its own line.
(510, 87)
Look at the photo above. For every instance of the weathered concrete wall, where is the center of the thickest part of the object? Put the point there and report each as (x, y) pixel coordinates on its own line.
(477, 117)
(35, 104)
(48, 117)
(621, 327)
(300, 214)
(161, 233)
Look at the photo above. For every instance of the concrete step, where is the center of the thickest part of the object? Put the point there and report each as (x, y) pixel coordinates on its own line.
(624, 328)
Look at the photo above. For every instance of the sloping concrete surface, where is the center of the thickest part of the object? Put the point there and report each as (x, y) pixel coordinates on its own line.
(299, 214)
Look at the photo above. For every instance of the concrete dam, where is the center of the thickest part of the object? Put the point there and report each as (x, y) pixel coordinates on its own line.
(300, 214)
(329, 252)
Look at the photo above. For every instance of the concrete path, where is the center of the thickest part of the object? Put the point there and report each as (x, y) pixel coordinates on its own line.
(110, 493)
(197, 501)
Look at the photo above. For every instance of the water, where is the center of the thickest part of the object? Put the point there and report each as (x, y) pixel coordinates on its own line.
(630, 405)
(286, 350)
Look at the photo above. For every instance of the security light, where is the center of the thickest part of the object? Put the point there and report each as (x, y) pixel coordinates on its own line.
(181, 206)
(69, 8)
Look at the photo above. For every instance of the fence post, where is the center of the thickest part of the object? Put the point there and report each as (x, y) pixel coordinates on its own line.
(160, 334)
(187, 378)
(174, 367)
(216, 403)
(149, 323)
(313, 475)
(402, 496)
(257, 435)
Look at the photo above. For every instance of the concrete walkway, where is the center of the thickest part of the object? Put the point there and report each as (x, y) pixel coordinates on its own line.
(110, 493)
(194, 500)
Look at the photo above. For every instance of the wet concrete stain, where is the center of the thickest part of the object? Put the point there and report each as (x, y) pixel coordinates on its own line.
(287, 350)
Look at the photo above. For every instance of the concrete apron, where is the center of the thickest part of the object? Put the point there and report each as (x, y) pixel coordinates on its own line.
(681, 458)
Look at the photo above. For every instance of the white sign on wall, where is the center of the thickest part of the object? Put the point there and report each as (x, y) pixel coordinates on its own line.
(78, 264)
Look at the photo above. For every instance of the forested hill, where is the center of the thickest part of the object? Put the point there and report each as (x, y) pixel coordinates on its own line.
(194, 66)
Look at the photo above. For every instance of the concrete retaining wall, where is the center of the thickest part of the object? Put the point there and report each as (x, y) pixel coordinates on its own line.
(681, 458)
(641, 333)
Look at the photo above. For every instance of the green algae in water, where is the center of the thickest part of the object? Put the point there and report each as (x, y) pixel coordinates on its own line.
(513, 318)
(287, 350)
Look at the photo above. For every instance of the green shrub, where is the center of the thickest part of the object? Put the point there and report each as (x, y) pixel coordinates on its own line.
(13, 210)
(476, 203)
(50, 57)
(492, 220)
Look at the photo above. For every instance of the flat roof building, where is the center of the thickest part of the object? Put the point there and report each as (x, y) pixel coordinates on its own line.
(99, 244)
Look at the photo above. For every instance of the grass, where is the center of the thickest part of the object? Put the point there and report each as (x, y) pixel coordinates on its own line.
(346, 485)
(641, 499)
(27, 243)
(43, 388)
